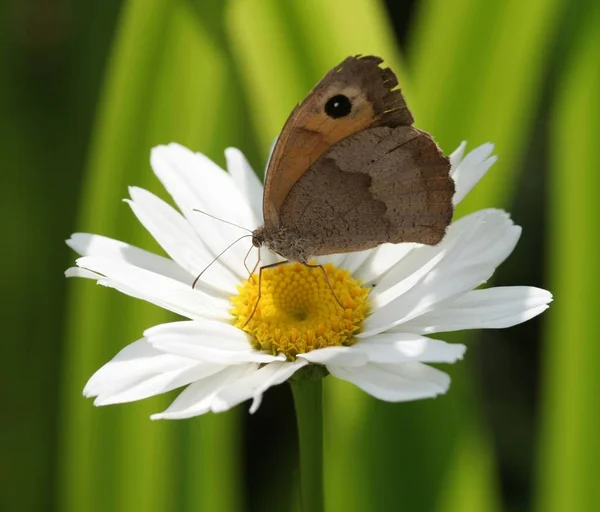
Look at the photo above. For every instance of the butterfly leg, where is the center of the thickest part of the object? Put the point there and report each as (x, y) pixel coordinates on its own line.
(326, 280)
(251, 272)
(260, 272)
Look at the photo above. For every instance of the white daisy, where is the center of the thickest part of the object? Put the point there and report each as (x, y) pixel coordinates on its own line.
(393, 296)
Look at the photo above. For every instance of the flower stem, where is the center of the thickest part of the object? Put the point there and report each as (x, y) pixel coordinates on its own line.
(308, 400)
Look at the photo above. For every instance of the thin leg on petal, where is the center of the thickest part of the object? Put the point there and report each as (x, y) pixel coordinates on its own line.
(260, 272)
(250, 272)
(326, 280)
(256, 265)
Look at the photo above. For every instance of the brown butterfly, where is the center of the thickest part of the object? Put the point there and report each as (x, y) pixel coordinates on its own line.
(349, 171)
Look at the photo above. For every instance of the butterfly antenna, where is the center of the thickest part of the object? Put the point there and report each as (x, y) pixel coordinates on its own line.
(223, 220)
(217, 257)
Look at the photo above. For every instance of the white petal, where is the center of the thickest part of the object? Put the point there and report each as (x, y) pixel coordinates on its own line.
(420, 261)
(341, 356)
(395, 383)
(403, 347)
(407, 273)
(492, 308)
(140, 371)
(195, 182)
(334, 259)
(253, 385)
(470, 170)
(472, 249)
(82, 272)
(179, 239)
(457, 155)
(156, 289)
(197, 398)
(95, 245)
(208, 341)
(381, 259)
(355, 260)
(210, 184)
(247, 182)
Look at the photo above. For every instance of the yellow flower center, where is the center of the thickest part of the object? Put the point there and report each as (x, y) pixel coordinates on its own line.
(298, 311)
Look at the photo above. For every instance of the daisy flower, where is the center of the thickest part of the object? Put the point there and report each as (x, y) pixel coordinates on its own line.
(232, 347)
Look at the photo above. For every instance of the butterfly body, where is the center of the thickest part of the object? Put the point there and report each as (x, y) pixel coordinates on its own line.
(285, 242)
(349, 172)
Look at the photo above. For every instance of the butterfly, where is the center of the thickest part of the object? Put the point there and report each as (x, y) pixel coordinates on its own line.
(349, 171)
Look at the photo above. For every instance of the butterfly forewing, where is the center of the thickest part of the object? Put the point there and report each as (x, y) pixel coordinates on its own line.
(314, 126)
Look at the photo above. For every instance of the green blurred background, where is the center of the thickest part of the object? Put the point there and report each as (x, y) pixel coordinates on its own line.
(87, 88)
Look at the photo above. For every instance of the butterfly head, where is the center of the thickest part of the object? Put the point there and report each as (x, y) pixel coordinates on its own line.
(258, 237)
(287, 243)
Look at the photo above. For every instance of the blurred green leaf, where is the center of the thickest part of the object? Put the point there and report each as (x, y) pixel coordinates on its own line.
(569, 445)
(478, 67)
(165, 76)
(268, 58)
(475, 69)
(42, 141)
(194, 72)
(331, 31)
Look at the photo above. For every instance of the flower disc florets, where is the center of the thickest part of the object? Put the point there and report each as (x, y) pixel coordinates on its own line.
(298, 310)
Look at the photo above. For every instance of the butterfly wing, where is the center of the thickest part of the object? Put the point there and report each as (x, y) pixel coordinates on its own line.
(315, 125)
(379, 185)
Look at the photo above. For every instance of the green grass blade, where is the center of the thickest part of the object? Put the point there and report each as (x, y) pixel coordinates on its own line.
(157, 91)
(360, 27)
(270, 62)
(463, 87)
(289, 46)
(282, 54)
(42, 135)
(568, 452)
(477, 71)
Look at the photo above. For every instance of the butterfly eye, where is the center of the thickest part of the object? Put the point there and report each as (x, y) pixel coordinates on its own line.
(338, 106)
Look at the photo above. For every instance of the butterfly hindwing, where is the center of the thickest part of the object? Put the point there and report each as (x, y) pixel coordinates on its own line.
(379, 185)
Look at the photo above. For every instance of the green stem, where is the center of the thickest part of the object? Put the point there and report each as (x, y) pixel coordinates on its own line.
(308, 400)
